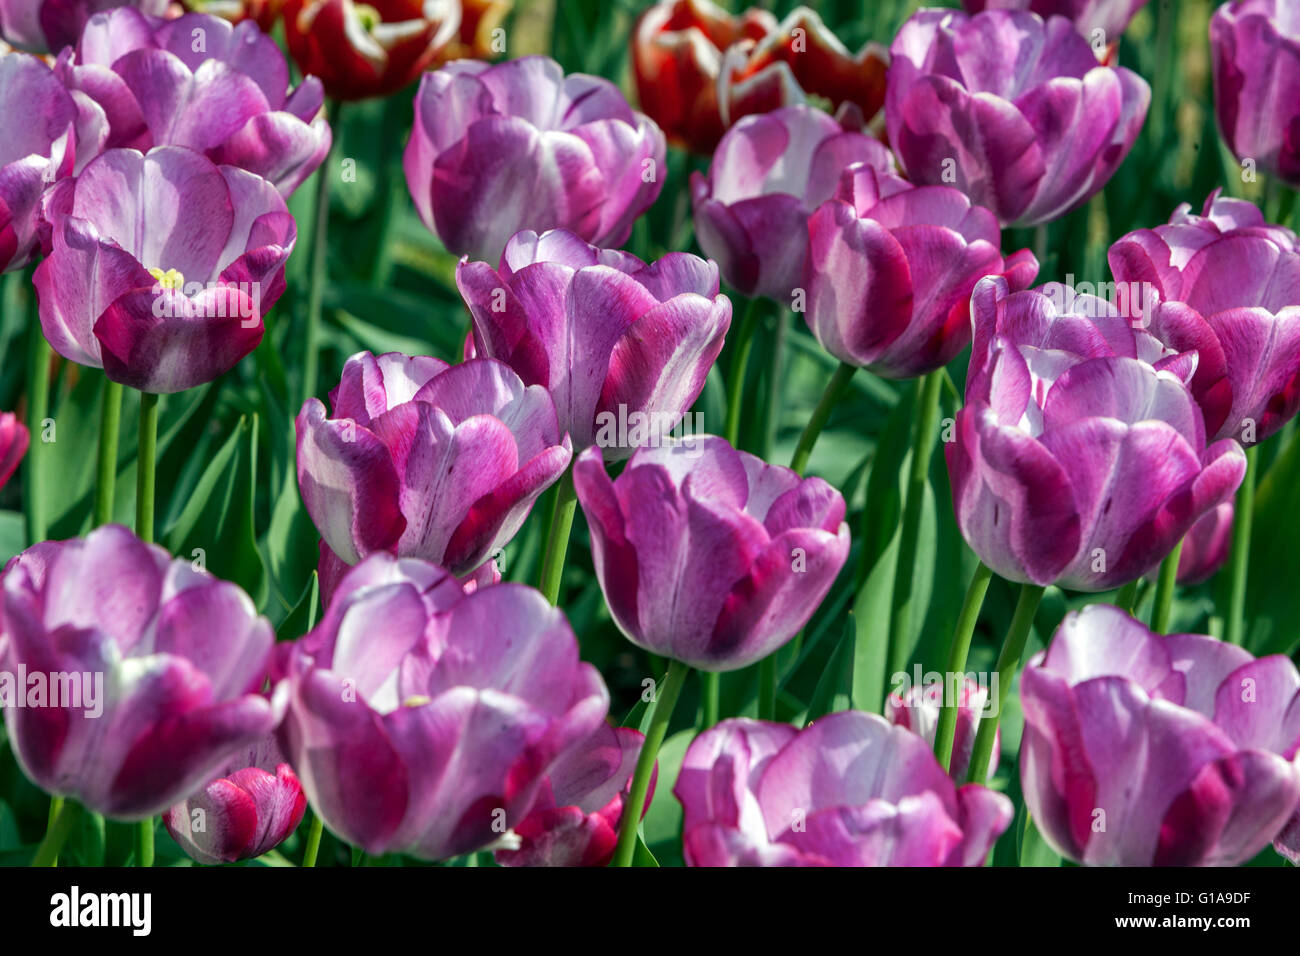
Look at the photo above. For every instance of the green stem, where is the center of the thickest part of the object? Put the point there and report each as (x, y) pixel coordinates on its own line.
(665, 701)
(1127, 599)
(319, 261)
(38, 409)
(47, 854)
(144, 843)
(1166, 584)
(736, 374)
(771, 421)
(1235, 631)
(1008, 661)
(710, 689)
(946, 730)
(900, 619)
(110, 426)
(56, 807)
(557, 541)
(313, 840)
(808, 438)
(767, 687)
(146, 468)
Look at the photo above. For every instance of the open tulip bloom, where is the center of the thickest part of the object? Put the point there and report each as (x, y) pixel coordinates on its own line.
(419, 716)
(1101, 21)
(520, 145)
(47, 26)
(1011, 109)
(1080, 456)
(197, 81)
(426, 460)
(1142, 749)
(162, 266)
(851, 789)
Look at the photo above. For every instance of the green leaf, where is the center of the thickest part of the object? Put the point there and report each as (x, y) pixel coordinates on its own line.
(1032, 848)
(834, 692)
(13, 534)
(1272, 599)
(303, 616)
(216, 524)
(641, 855)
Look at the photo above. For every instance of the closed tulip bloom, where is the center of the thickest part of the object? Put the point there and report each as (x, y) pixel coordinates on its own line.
(1142, 749)
(168, 660)
(47, 26)
(162, 266)
(198, 81)
(39, 127)
(918, 708)
(575, 819)
(1228, 286)
(251, 808)
(623, 347)
(890, 271)
(1255, 45)
(520, 145)
(13, 445)
(425, 460)
(849, 790)
(767, 176)
(677, 48)
(1080, 455)
(425, 721)
(1207, 546)
(709, 555)
(1012, 110)
(364, 50)
(1110, 17)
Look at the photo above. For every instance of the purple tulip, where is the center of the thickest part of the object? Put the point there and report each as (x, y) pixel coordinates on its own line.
(1080, 455)
(1012, 110)
(47, 26)
(1207, 546)
(198, 81)
(1141, 749)
(251, 808)
(575, 819)
(891, 268)
(768, 174)
(150, 670)
(423, 720)
(1229, 289)
(849, 790)
(623, 347)
(710, 555)
(519, 145)
(1256, 49)
(162, 266)
(13, 445)
(1110, 17)
(42, 129)
(425, 460)
(917, 709)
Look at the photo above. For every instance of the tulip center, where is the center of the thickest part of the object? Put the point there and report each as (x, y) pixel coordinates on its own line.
(416, 700)
(368, 15)
(171, 279)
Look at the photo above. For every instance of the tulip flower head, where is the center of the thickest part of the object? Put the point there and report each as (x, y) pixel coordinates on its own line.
(1228, 285)
(421, 459)
(575, 819)
(1100, 21)
(198, 81)
(890, 271)
(1255, 45)
(1143, 749)
(47, 26)
(251, 808)
(1080, 455)
(851, 789)
(521, 146)
(162, 266)
(917, 708)
(1012, 110)
(767, 176)
(425, 721)
(154, 670)
(364, 50)
(14, 438)
(623, 347)
(710, 556)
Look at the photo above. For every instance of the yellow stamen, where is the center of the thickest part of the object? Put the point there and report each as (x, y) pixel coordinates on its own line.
(171, 279)
(368, 15)
(416, 700)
